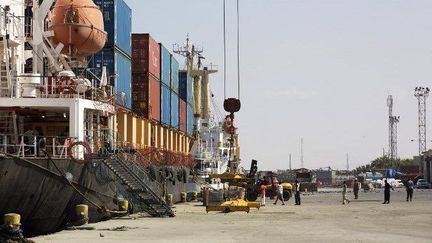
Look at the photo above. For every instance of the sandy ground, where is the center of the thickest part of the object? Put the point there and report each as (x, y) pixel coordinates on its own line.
(320, 218)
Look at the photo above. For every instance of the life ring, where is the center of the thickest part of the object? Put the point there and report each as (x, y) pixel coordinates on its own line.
(87, 155)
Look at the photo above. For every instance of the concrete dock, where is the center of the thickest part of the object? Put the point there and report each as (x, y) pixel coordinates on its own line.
(320, 218)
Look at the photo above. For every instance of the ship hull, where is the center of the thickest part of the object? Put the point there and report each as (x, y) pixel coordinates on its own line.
(46, 201)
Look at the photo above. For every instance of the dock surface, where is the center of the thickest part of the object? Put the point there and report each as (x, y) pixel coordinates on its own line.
(320, 218)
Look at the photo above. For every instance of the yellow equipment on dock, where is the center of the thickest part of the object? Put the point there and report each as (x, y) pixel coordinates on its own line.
(233, 204)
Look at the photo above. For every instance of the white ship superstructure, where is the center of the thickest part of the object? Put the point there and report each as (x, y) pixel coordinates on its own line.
(213, 148)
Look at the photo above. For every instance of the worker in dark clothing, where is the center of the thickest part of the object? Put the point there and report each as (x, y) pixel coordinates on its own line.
(387, 188)
(297, 193)
(356, 188)
(410, 189)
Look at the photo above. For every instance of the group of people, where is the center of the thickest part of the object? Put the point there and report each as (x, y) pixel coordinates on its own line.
(356, 187)
(409, 185)
(280, 196)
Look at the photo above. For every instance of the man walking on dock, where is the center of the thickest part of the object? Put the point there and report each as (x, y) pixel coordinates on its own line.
(409, 189)
(297, 193)
(263, 188)
(356, 188)
(344, 191)
(387, 188)
(279, 195)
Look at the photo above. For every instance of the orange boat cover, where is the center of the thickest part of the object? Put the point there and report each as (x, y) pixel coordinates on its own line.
(79, 26)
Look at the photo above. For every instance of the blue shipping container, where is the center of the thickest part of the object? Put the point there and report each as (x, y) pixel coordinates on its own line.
(174, 110)
(118, 68)
(174, 74)
(165, 105)
(185, 87)
(118, 24)
(190, 119)
(165, 65)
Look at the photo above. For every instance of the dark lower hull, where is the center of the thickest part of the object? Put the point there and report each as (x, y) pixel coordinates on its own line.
(45, 200)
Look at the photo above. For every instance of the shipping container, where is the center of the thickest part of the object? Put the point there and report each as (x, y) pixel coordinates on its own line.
(165, 104)
(183, 115)
(145, 55)
(146, 97)
(185, 87)
(118, 67)
(118, 24)
(165, 65)
(174, 74)
(174, 110)
(190, 119)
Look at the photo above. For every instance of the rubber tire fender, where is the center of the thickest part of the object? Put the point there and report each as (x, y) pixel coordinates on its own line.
(153, 172)
(185, 176)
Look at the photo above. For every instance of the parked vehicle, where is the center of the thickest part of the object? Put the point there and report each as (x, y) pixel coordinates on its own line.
(423, 184)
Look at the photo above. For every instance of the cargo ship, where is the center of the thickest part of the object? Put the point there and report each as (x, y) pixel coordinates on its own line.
(91, 113)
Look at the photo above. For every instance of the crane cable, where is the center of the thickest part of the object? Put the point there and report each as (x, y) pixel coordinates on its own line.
(238, 49)
(225, 49)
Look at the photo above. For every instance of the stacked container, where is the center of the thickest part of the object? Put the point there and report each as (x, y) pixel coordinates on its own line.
(146, 74)
(165, 64)
(174, 83)
(116, 55)
(186, 95)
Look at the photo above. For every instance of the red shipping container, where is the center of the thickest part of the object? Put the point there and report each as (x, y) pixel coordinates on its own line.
(145, 55)
(182, 115)
(146, 96)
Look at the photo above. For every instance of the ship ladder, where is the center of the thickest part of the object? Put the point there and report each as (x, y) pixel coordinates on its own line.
(145, 197)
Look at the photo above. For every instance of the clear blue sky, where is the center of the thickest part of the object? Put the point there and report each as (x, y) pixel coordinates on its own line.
(321, 70)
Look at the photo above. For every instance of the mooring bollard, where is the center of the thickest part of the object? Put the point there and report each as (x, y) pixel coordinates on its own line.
(183, 196)
(11, 228)
(194, 196)
(81, 214)
(169, 199)
(13, 220)
(123, 205)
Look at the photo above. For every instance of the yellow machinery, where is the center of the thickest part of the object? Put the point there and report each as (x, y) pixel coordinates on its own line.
(237, 204)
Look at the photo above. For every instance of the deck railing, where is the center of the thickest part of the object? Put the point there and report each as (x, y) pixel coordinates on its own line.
(32, 146)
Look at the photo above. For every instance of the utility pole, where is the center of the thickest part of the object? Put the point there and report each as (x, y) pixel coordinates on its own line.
(393, 121)
(347, 161)
(290, 161)
(421, 93)
(301, 153)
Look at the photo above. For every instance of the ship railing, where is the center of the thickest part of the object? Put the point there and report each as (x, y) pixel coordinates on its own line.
(33, 146)
(48, 88)
(10, 23)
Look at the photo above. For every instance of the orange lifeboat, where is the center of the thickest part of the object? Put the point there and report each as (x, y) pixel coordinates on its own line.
(79, 26)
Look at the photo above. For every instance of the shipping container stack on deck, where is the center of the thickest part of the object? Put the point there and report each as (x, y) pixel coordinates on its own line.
(116, 55)
(146, 74)
(175, 119)
(186, 97)
(170, 115)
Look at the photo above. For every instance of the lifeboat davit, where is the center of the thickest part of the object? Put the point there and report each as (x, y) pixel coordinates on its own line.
(79, 26)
